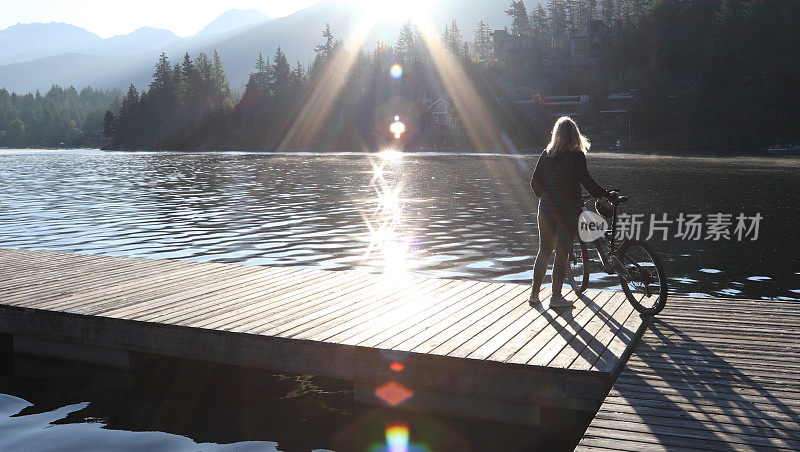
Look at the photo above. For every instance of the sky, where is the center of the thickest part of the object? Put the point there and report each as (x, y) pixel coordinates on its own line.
(107, 18)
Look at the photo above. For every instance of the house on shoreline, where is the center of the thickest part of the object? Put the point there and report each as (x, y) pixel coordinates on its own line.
(441, 126)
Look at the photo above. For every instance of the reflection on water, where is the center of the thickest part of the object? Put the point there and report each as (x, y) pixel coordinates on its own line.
(388, 245)
(55, 406)
(464, 216)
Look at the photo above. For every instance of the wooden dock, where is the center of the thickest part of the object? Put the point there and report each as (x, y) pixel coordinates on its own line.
(457, 347)
(709, 374)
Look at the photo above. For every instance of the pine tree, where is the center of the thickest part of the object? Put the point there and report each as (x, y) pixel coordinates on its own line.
(219, 82)
(280, 72)
(187, 67)
(325, 51)
(453, 40)
(559, 22)
(261, 77)
(519, 18)
(109, 124)
(128, 124)
(203, 66)
(540, 27)
(408, 40)
(298, 77)
(162, 77)
(15, 135)
(483, 42)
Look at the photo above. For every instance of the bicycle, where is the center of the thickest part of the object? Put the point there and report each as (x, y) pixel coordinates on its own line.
(635, 263)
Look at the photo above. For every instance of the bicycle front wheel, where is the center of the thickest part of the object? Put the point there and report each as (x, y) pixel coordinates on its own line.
(642, 277)
(578, 269)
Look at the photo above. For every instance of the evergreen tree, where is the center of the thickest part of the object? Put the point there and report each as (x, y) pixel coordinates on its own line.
(559, 22)
(262, 75)
(483, 42)
(128, 125)
(298, 77)
(162, 77)
(109, 124)
(219, 82)
(193, 92)
(407, 42)
(258, 86)
(519, 18)
(325, 51)
(453, 40)
(187, 67)
(15, 135)
(281, 72)
(203, 66)
(540, 27)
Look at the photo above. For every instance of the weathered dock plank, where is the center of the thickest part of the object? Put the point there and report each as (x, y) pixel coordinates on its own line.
(466, 347)
(707, 375)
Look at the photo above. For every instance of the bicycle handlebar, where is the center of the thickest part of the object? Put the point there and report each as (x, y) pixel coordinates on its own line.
(588, 197)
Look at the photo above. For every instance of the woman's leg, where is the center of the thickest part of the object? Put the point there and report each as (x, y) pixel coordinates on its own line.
(547, 238)
(567, 227)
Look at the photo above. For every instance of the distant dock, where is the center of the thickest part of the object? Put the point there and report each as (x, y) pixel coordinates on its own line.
(464, 348)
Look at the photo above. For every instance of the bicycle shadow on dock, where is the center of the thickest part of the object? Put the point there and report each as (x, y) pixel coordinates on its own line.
(687, 395)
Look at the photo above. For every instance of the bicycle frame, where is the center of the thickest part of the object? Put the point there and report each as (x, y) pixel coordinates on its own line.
(610, 242)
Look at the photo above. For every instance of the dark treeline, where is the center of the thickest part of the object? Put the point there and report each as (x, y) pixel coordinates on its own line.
(59, 116)
(187, 104)
(716, 76)
(708, 76)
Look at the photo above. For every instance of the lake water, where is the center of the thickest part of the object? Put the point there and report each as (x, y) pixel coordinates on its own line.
(455, 216)
(468, 216)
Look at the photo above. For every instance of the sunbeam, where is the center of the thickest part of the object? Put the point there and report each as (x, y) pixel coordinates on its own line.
(326, 92)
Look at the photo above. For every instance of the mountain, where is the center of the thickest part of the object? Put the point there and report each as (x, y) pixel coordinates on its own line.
(297, 35)
(141, 40)
(23, 42)
(233, 19)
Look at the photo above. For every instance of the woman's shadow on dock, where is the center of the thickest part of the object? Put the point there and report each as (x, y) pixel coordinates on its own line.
(586, 343)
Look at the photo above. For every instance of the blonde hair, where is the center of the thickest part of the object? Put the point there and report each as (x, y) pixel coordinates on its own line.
(566, 136)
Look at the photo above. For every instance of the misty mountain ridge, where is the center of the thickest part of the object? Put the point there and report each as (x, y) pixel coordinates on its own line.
(233, 19)
(24, 42)
(132, 61)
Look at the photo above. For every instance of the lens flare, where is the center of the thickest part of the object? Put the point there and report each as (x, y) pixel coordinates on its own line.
(397, 438)
(397, 128)
(393, 393)
(397, 367)
(396, 71)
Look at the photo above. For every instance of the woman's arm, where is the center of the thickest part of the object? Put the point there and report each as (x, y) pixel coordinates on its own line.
(536, 179)
(592, 187)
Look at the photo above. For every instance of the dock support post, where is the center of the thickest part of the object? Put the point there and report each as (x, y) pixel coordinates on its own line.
(6, 355)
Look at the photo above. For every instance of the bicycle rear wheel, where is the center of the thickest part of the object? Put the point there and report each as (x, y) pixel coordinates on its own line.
(578, 268)
(642, 277)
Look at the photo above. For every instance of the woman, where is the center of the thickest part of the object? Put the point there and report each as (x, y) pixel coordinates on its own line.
(557, 180)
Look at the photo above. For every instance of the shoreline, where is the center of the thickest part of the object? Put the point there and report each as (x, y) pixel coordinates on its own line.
(433, 152)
